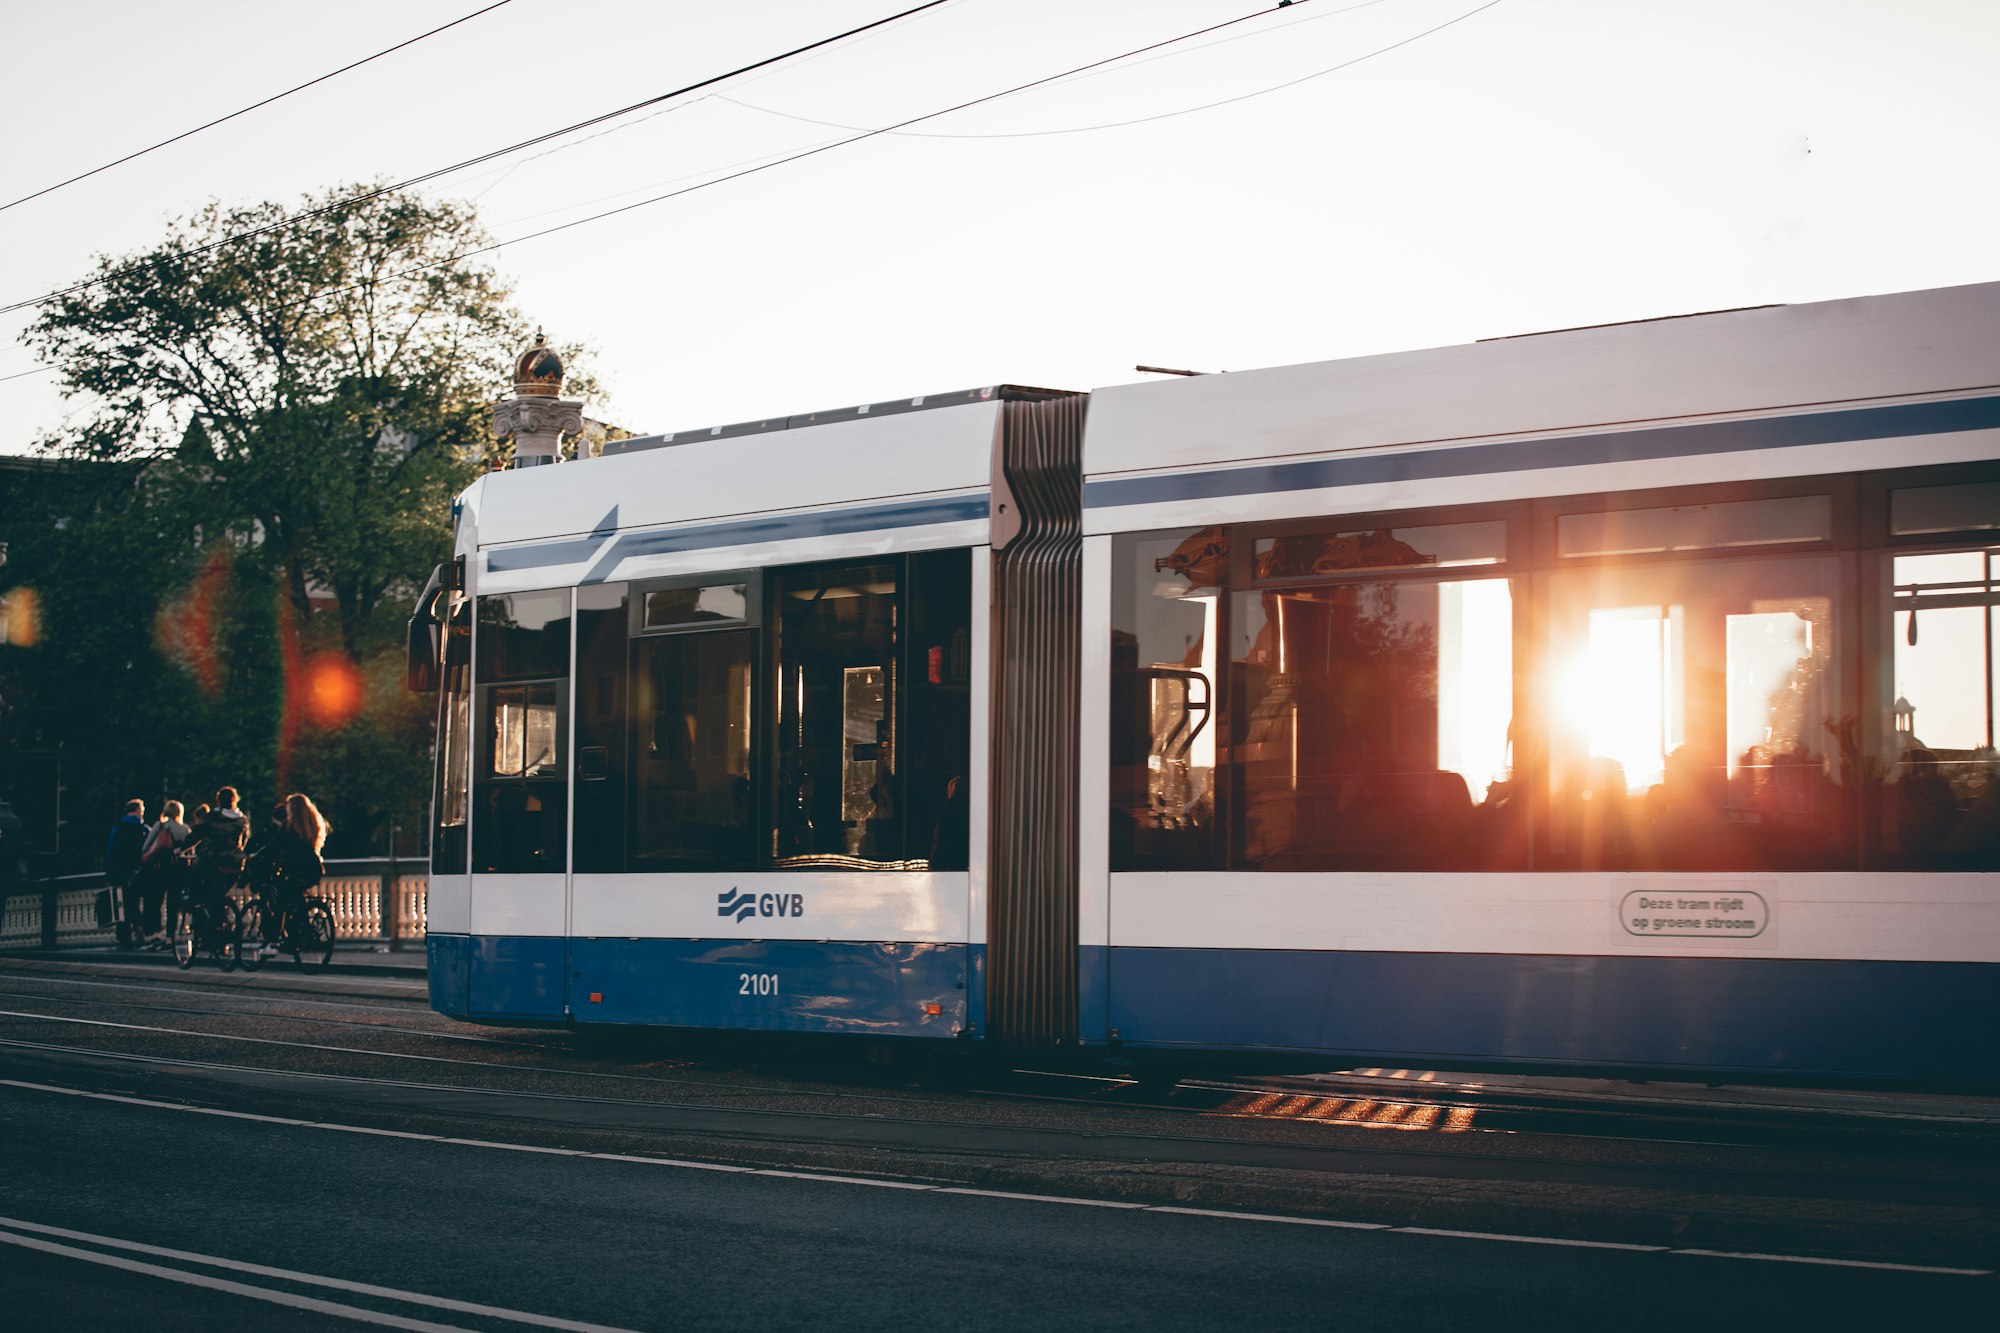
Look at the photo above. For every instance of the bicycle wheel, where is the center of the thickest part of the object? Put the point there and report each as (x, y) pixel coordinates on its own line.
(184, 938)
(228, 938)
(312, 937)
(252, 923)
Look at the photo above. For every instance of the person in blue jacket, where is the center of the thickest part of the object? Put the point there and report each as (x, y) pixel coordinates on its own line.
(121, 861)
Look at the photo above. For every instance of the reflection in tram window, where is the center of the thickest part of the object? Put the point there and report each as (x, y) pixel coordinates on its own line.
(520, 788)
(1166, 597)
(836, 742)
(1941, 795)
(1694, 722)
(448, 849)
(1444, 546)
(1371, 726)
(523, 740)
(692, 805)
(524, 635)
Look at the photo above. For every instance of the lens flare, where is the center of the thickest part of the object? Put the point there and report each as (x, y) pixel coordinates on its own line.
(333, 690)
(185, 628)
(20, 618)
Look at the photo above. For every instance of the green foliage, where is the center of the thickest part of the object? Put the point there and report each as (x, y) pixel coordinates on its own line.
(321, 385)
(261, 476)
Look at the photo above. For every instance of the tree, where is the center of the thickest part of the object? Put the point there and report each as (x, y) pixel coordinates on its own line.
(322, 384)
(278, 427)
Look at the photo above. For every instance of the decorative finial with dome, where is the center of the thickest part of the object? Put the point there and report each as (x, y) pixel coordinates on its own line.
(537, 417)
(538, 372)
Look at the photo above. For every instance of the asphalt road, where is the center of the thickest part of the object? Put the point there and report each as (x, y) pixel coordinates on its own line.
(632, 1244)
(332, 1133)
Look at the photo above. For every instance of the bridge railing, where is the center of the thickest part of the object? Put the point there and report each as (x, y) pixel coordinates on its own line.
(375, 900)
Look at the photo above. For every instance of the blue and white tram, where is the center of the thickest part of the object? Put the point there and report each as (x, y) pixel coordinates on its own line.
(1613, 698)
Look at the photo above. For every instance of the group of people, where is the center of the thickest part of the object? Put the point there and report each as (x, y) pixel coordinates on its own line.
(153, 867)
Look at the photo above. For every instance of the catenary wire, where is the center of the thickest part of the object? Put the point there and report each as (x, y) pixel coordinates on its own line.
(413, 271)
(378, 192)
(504, 173)
(1139, 120)
(254, 106)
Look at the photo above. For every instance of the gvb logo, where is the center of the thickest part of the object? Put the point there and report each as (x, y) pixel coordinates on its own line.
(740, 905)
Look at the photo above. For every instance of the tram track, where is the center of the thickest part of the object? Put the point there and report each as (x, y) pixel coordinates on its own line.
(1287, 1102)
(919, 1114)
(1320, 1145)
(723, 1132)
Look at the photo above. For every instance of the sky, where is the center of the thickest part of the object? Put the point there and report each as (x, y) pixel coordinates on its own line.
(1329, 179)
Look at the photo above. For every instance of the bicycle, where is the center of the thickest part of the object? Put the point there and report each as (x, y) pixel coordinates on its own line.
(306, 931)
(204, 923)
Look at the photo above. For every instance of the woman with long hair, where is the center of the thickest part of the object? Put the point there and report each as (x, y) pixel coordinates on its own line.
(304, 822)
(289, 866)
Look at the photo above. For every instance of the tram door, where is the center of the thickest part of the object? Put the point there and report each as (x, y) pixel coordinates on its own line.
(520, 805)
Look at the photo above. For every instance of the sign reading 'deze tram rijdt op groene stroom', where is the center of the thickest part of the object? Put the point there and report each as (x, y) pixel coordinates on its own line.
(1705, 911)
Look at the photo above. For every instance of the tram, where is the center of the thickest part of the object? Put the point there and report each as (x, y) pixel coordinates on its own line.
(1610, 698)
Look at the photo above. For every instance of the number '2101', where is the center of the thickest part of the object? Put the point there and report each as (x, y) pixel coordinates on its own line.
(757, 983)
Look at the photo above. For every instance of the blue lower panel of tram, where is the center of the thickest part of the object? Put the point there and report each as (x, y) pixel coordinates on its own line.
(516, 978)
(1862, 1017)
(904, 990)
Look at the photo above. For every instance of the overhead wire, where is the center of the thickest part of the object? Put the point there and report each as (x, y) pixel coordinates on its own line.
(254, 106)
(1138, 120)
(503, 173)
(362, 198)
(508, 171)
(415, 270)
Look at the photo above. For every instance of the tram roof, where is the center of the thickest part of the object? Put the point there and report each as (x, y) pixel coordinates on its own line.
(1758, 360)
(895, 406)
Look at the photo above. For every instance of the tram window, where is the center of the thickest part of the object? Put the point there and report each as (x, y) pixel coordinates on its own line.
(1941, 778)
(519, 828)
(1166, 601)
(1694, 720)
(697, 605)
(520, 819)
(1802, 518)
(692, 796)
(836, 757)
(937, 704)
(448, 848)
(599, 793)
(1927, 509)
(524, 635)
(1320, 553)
(522, 743)
(1371, 724)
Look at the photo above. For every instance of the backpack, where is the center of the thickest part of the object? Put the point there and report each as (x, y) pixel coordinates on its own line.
(223, 840)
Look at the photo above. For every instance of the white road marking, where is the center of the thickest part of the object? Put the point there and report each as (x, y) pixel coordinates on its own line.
(304, 1279)
(1536, 1240)
(1836, 1263)
(1274, 1217)
(1039, 1198)
(289, 1297)
(1020, 1197)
